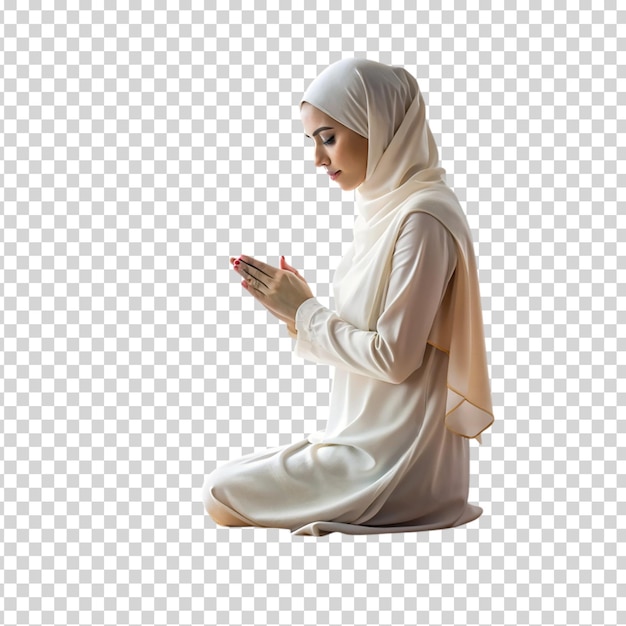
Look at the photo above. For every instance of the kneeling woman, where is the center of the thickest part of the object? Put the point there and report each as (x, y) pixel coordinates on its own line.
(406, 341)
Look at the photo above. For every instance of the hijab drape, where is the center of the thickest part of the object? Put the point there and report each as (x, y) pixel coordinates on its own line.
(384, 104)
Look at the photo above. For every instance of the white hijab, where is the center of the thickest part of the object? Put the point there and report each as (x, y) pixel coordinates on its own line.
(384, 104)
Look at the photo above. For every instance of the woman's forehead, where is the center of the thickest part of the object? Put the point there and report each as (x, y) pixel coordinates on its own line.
(312, 118)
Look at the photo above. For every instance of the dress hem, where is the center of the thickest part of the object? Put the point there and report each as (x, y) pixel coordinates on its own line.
(319, 529)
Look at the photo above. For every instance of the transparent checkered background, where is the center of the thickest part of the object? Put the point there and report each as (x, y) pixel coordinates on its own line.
(141, 146)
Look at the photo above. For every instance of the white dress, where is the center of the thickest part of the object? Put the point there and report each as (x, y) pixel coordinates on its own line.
(386, 461)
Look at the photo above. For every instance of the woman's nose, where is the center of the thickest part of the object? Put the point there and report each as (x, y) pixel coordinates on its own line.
(321, 158)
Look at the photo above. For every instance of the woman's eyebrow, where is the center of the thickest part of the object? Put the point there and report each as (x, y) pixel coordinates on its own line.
(319, 130)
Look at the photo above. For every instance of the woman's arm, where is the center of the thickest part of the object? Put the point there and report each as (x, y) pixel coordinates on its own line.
(423, 262)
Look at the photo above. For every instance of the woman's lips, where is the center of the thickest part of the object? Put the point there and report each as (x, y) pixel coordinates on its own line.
(334, 176)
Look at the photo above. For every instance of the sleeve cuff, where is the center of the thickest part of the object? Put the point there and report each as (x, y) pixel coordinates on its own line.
(304, 315)
(305, 337)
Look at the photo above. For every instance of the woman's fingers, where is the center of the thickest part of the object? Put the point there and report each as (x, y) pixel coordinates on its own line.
(266, 269)
(255, 278)
(259, 266)
(241, 260)
(248, 269)
(285, 266)
(264, 273)
(275, 288)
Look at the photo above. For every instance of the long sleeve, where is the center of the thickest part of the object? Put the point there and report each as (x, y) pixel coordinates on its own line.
(423, 262)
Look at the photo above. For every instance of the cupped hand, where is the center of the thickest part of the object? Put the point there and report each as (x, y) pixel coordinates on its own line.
(281, 290)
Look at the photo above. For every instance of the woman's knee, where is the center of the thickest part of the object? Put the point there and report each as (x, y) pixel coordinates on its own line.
(211, 482)
(214, 501)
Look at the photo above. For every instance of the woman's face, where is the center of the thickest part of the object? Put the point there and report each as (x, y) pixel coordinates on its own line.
(337, 148)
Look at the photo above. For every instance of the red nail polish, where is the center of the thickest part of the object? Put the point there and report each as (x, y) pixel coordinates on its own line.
(236, 262)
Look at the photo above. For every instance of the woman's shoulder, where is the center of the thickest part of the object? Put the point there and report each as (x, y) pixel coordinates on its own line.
(422, 224)
(422, 233)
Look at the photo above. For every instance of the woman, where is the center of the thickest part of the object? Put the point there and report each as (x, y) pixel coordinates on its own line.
(411, 385)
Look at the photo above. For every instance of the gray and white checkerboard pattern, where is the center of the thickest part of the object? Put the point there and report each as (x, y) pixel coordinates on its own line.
(141, 146)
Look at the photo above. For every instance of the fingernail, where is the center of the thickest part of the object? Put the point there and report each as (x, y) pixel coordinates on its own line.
(236, 262)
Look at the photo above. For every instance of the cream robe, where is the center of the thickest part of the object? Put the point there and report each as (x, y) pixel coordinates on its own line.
(386, 461)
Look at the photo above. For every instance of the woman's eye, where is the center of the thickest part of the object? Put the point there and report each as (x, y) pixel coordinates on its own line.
(330, 141)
